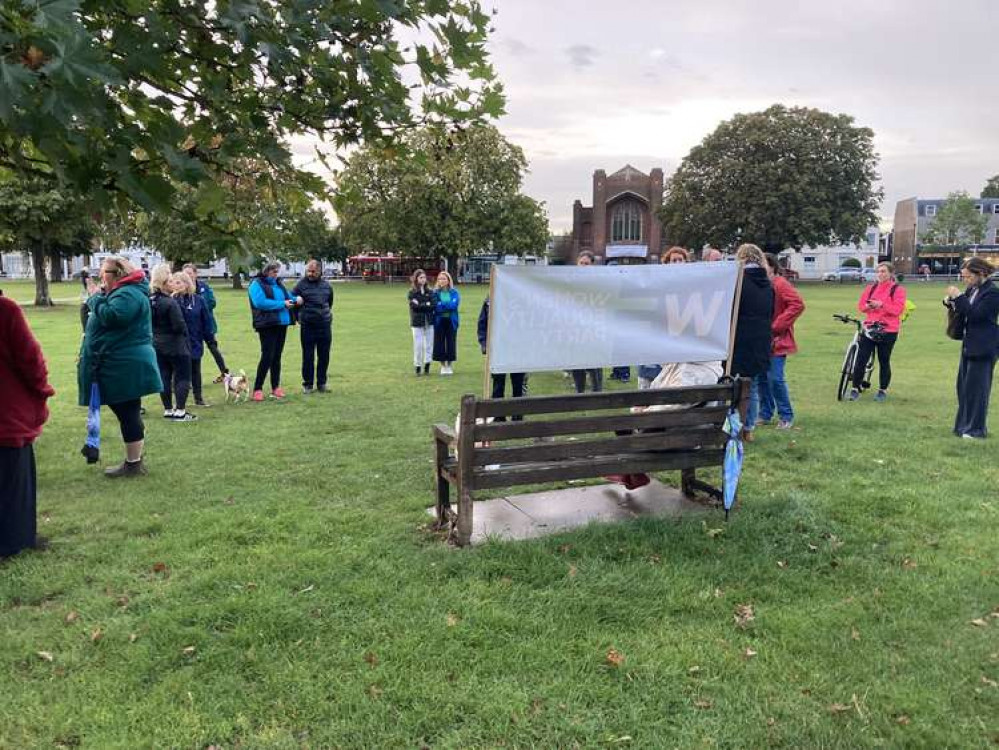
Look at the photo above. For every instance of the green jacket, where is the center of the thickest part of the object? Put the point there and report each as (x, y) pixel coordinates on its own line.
(118, 344)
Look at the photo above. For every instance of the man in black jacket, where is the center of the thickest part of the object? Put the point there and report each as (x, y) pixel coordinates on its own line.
(314, 297)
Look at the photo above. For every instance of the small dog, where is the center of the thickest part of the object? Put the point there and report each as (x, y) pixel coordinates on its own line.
(237, 388)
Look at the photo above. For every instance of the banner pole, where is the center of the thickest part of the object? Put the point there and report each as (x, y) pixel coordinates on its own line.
(486, 390)
(735, 318)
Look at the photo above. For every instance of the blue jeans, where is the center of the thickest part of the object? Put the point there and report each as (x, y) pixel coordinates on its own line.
(754, 404)
(774, 395)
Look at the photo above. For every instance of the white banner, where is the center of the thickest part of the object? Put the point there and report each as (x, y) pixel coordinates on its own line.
(576, 317)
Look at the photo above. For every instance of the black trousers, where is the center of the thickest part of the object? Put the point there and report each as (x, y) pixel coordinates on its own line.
(175, 372)
(316, 344)
(129, 414)
(213, 347)
(596, 380)
(866, 348)
(445, 341)
(974, 386)
(271, 348)
(518, 389)
(196, 380)
(17, 499)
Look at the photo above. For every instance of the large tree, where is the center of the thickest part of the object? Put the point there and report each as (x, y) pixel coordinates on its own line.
(958, 222)
(991, 189)
(134, 97)
(784, 177)
(48, 223)
(446, 193)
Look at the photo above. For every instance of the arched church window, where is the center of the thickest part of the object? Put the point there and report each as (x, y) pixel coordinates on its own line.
(626, 223)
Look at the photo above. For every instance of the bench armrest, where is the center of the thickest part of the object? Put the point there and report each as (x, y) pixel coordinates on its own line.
(444, 434)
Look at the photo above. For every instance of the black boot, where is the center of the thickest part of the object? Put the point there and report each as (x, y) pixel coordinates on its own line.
(426, 369)
(126, 469)
(417, 368)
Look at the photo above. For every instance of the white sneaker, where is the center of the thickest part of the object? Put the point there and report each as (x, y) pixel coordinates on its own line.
(168, 414)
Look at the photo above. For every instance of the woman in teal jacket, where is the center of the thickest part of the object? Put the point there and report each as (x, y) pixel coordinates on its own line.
(271, 305)
(447, 300)
(118, 354)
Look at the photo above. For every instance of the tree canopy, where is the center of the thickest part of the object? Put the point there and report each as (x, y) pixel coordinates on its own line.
(991, 189)
(958, 222)
(445, 193)
(136, 97)
(784, 177)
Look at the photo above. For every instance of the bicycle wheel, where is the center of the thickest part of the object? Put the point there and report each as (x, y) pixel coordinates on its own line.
(847, 373)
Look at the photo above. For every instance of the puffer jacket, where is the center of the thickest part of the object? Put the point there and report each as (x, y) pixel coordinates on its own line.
(752, 332)
(421, 307)
(169, 328)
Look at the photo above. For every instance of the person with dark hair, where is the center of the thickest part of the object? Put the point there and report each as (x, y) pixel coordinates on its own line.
(883, 303)
(977, 308)
(172, 346)
(199, 327)
(596, 374)
(751, 352)
(421, 321)
(314, 296)
(24, 383)
(772, 385)
(207, 295)
(271, 305)
(518, 380)
(446, 302)
(118, 355)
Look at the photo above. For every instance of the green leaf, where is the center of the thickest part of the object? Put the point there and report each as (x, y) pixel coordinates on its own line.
(209, 199)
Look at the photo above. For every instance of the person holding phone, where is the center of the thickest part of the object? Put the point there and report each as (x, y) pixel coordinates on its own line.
(881, 302)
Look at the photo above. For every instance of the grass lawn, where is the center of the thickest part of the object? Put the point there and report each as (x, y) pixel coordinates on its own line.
(270, 583)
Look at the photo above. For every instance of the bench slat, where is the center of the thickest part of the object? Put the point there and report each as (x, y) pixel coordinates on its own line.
(608, 400)
(680, 439)
(588, 468)
(444, 433)
(714, 415)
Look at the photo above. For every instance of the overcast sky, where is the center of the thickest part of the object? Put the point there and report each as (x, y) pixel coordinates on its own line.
(594, 85)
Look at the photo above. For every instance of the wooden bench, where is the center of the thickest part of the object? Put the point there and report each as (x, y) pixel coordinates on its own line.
(579, 436)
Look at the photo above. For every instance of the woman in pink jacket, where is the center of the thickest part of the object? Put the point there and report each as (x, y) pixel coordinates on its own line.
(882, 302)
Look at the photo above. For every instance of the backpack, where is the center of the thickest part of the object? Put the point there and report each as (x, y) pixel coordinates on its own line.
(909, 304)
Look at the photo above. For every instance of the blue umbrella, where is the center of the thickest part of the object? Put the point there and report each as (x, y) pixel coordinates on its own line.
(732, 466)
(92, 449)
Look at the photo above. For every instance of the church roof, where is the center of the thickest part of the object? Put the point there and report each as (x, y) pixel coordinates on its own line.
(628, 173)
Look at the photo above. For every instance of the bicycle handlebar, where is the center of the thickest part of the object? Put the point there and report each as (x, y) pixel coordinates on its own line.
(846, 319)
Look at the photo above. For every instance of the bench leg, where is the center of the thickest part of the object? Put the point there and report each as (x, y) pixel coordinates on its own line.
(463, 532)
(443, 506)
(687, 479)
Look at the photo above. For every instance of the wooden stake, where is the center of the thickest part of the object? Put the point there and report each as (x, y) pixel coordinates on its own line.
(735, 318)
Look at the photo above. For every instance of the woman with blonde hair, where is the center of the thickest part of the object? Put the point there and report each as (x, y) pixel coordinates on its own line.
(446, 302)
(751, 353)
(173, 352)
(118, 355)
(198, 319)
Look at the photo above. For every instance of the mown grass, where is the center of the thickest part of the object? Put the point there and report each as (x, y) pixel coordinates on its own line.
(270, 583)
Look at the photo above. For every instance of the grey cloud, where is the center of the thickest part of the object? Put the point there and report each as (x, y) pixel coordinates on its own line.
(582, 55)
(517, 47)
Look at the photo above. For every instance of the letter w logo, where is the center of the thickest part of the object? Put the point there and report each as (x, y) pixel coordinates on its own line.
(704, 320)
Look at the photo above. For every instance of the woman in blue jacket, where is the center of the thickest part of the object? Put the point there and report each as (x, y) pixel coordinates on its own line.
(199, 326)
(271, 305)
(977, 309)
(446, 322)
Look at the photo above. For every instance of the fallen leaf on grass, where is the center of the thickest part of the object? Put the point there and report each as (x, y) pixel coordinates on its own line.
(694, 670)
(371, 658)
(703, 705)
(748, 653)
(990, 683)
(133, 637)
(909, 564)
(45, 655)
(307, 589)
(614, 658)
(564, 548)
(229, 500)
(189, 650)
(744, 615)
(96, 635)
(572, 571)
(812, 548)
(72, 617)
(715, 532)
(840, 708)
(855, 634)
(979, 622)
(375, 692)
(656, 559)
(160, 568)
(452, 619)
(782, 563)
(903, 720)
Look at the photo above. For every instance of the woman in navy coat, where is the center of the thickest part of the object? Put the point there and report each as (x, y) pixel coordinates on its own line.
(199, 326)
(978, 309)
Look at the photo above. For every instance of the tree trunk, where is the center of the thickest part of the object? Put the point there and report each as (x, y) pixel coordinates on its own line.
(237, 280)
(42, 296)
(55, 270)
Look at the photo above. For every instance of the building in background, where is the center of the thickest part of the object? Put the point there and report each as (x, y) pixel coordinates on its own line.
(815, 262)
(914, 216)
(621, 225)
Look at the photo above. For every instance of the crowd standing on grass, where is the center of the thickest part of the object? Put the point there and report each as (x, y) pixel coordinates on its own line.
(882, 303)
(25, 386)
(118, 355)
(976, 310)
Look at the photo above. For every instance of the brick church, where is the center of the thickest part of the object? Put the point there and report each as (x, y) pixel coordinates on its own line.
(621, 225)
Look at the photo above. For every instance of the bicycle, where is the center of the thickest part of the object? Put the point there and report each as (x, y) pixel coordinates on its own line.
(850, 359)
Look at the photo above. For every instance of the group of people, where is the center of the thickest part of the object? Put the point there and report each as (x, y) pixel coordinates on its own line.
(433, 319)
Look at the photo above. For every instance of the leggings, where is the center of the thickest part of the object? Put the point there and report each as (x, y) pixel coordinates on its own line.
(175, 372)
(864, 352)
(213, 347)
(129, 414)
(271, 348)
(196, 380)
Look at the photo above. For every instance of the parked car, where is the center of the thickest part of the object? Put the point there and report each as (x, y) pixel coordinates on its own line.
(844, 273)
